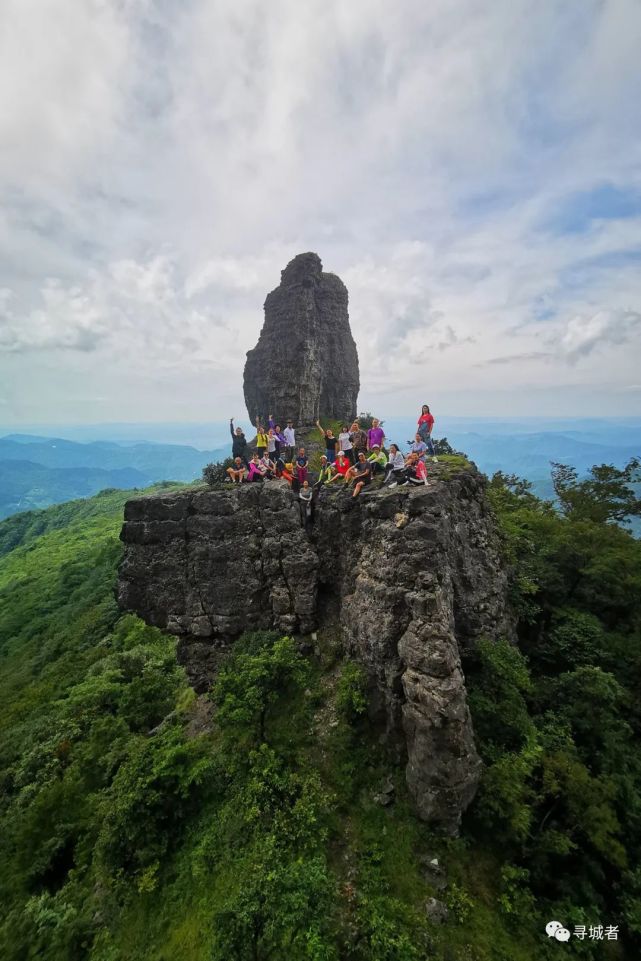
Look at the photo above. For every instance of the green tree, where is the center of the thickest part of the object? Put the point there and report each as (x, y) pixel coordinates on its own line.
(605, 496)
(255, 677)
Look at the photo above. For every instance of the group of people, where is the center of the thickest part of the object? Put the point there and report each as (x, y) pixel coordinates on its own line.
(354, 457)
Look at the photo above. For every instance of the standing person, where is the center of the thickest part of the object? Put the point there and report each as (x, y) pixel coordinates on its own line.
(281, 443)
(425, 427)
(395, 467)
(345, 443)
(301, 466)
(363, 474)
(238, 442)
(306, 497)
(237, 472)
(290, 440)
(330, 442)
(376, 434)
(261, 438)
(359, 439)
(271, 443)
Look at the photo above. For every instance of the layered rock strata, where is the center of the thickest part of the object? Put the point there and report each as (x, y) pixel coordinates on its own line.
(305, 363)
(412, 577)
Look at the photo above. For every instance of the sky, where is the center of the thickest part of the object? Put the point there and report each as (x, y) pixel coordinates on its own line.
(471, 170)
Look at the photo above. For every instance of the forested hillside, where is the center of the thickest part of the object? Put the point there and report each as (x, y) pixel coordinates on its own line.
(137, 824)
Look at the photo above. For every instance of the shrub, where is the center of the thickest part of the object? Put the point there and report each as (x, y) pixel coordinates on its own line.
(215, 474)
(351, 697)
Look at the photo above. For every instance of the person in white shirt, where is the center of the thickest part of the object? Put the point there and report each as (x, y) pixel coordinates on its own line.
(345, 443)
(395, 467)
(290, 439)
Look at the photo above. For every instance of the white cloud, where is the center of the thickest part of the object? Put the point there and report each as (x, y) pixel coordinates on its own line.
(164, 162)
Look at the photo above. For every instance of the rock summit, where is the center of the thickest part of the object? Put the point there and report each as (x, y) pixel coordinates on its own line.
(305, 364)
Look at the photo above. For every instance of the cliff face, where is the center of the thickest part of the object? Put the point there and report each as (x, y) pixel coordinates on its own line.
(305, 363)
(413, 578)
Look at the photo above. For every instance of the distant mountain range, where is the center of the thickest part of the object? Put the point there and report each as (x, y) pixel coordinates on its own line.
(40, 471)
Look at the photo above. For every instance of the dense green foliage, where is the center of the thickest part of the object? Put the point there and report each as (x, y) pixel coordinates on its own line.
(558, 718)
(138, 821)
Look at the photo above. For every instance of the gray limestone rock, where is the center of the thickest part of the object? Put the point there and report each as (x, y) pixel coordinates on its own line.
(409, 599)
(305, 363)
(436, 911)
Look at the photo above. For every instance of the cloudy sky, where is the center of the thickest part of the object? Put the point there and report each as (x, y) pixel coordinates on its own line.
(472, 170)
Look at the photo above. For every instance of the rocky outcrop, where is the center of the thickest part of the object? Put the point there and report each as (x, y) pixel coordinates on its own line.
(207, 565)
(305, 363)
(412, 579)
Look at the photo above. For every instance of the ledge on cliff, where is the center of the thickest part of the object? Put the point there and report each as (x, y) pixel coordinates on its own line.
(416, 576)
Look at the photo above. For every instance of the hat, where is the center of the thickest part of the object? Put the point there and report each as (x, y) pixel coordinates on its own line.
(376, 445)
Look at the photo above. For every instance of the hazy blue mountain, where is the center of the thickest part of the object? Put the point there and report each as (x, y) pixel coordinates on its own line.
(159, 461)
(26, 486)
(38, 471)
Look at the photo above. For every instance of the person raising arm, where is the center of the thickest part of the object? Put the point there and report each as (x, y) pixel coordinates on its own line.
(330, 442)
(238, 442)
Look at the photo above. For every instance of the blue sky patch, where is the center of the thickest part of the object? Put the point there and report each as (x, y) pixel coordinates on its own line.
(576, 213)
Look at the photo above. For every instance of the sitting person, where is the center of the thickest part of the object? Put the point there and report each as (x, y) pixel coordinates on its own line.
(325, 472)
(415, 469)
(237, 472)
(330, 442)
(301, 466)
(363, 475)
(341, 467)
(267, 466)
(378, 460)
(418, 446)
(256, 470)
(395, 467)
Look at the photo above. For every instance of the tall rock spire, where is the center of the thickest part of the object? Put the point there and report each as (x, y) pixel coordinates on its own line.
(305, 363)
